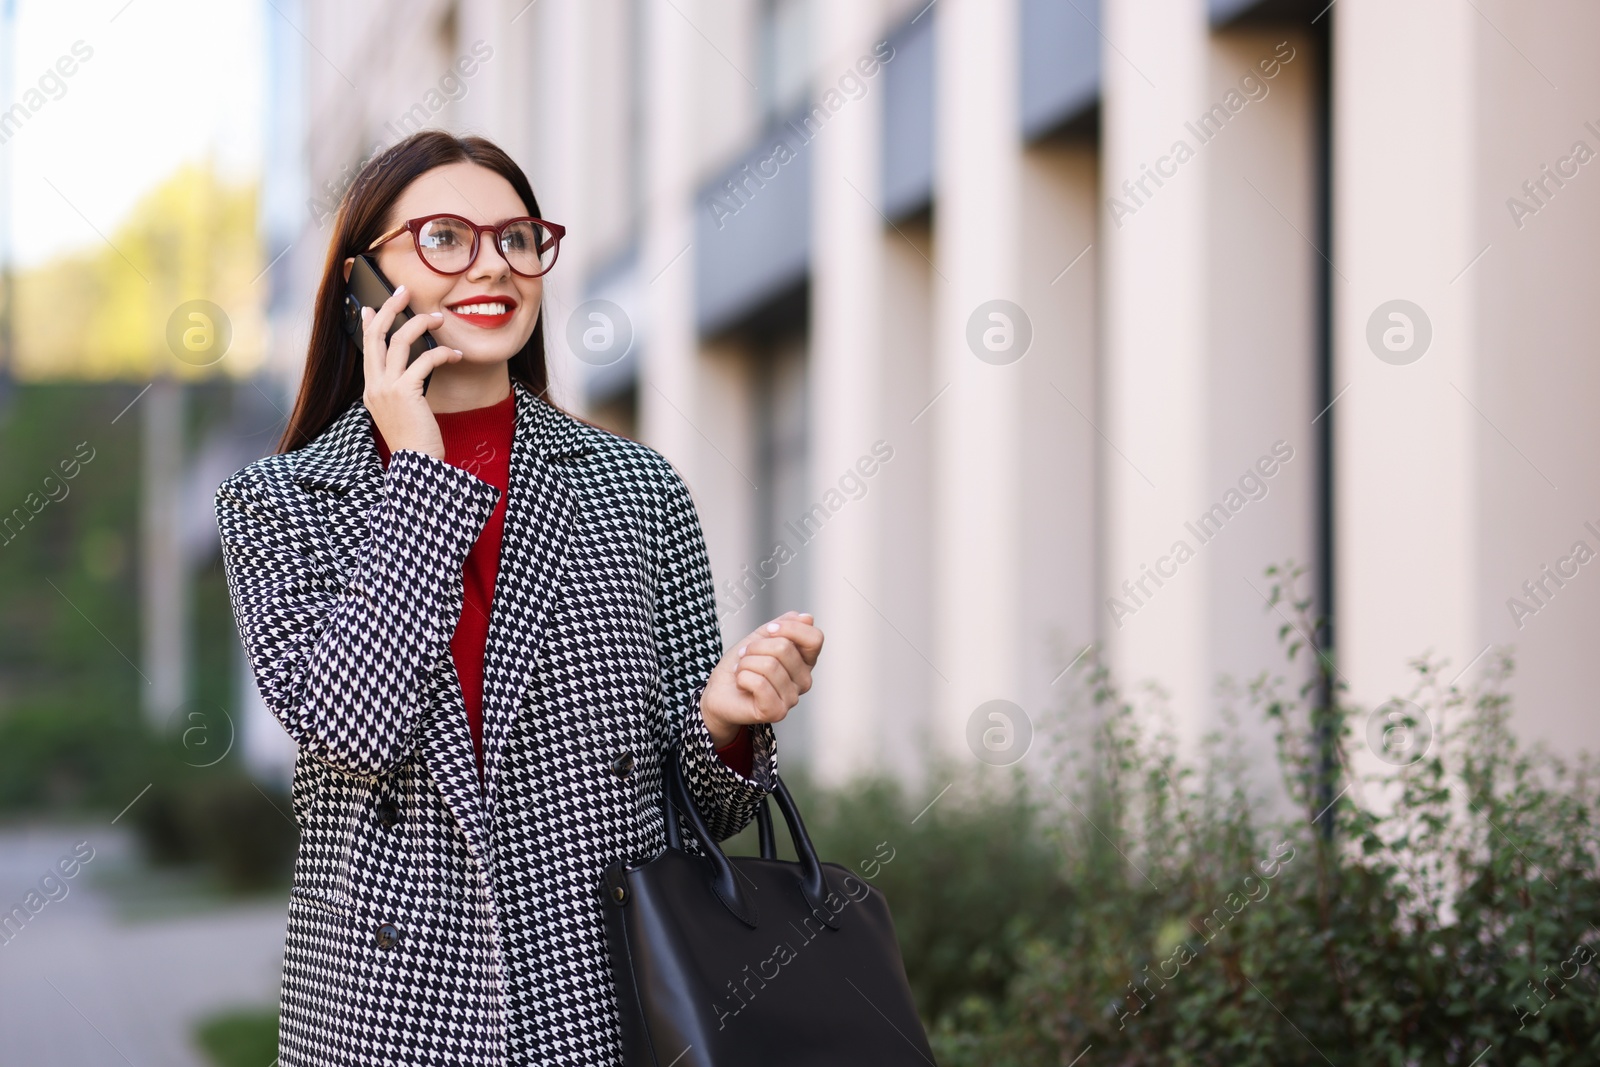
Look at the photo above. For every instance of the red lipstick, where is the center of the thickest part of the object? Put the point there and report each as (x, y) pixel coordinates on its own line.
(485, 312)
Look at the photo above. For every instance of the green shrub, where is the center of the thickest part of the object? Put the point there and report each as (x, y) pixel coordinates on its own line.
(237, 828)
(1410, 921)
(74, 739)
(87, 758)
(240, 1037)
(70, 756)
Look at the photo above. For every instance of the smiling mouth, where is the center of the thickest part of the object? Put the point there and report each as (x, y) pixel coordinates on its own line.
(486, 314)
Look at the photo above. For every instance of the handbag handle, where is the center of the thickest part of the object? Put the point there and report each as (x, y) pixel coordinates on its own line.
(724, 880)
(769, 851)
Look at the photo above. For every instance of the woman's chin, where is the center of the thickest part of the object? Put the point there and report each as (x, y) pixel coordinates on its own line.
(478, 357)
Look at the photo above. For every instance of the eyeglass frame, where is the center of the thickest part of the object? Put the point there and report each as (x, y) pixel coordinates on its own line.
(557, 232)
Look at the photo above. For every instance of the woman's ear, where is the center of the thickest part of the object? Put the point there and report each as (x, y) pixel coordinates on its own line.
(349, 264)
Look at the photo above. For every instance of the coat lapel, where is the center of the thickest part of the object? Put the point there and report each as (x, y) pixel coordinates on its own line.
(343, 464)
(533, 555)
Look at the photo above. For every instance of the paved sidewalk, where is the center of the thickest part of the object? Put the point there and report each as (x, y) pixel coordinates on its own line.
(80, 987)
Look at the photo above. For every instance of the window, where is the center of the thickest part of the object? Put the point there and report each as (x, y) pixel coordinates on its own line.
(785, 55)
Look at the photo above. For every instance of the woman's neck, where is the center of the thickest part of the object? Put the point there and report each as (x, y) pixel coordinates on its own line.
(464, 386)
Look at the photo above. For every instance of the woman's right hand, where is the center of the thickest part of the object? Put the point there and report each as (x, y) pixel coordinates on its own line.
(394, 391)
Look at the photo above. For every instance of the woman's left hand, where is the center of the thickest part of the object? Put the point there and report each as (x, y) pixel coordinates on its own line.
(761, 677)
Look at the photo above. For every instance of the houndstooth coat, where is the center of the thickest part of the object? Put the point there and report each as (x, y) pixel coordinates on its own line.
(432, 921)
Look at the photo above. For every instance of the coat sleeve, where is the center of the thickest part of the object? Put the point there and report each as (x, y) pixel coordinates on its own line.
(689, 641)
(341, 660)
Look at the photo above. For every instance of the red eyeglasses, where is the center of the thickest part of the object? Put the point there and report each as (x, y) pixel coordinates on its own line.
(448, 244)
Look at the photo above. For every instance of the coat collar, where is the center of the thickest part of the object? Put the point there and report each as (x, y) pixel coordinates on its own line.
(345, 455)
(540, 512)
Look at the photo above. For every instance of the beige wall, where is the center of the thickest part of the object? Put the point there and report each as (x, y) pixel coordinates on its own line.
(1155, 415)
(1165, 362)
(977, 425)
(1058, 541)
(903, 586)
(1262, 385)
(1406, 443)
(1466, 472)
(1211, 361)
(1539, 379)
(847, 386)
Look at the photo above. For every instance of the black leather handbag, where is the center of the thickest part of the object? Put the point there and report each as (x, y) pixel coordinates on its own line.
(753, 961)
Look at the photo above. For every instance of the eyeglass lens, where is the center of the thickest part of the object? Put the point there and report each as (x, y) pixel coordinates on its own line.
(447, 244)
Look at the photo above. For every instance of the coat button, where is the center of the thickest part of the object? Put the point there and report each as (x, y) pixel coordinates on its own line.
(388, 935)
(623, 765)
(388, 813)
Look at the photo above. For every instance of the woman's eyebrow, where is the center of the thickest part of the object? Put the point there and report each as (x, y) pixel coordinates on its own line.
(496, 222)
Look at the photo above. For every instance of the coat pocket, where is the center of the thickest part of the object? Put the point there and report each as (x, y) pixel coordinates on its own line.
(320, 995)
(330, 902)
(327, 836)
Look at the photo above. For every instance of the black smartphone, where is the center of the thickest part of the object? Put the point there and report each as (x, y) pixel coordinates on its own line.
(369, 288)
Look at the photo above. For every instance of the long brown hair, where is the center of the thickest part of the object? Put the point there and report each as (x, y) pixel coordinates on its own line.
(333, 378)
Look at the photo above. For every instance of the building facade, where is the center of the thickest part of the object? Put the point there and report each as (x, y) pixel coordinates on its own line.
(1006, 335)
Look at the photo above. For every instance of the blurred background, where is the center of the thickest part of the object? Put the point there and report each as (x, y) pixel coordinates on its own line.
(1177, 413)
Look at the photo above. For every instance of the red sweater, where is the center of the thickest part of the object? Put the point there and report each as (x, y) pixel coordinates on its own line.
(479, 442)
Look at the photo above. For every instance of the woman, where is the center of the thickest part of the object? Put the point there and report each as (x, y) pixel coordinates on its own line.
(486, 623)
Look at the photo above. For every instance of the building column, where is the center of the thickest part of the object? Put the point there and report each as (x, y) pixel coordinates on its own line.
(977, 413)
(1537, 211)
(1264, 334)
(1061, 515)
(557, 173)
(669, 353)
(1406, 435)
(845, 383)
(1153, 459)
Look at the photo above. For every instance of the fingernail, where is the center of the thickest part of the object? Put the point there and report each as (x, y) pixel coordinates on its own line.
(399, 288)
(458, 351)
(437, 314)
(772, 627)
(742, 648)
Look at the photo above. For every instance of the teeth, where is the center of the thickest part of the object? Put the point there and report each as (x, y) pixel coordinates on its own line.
(480, 309)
